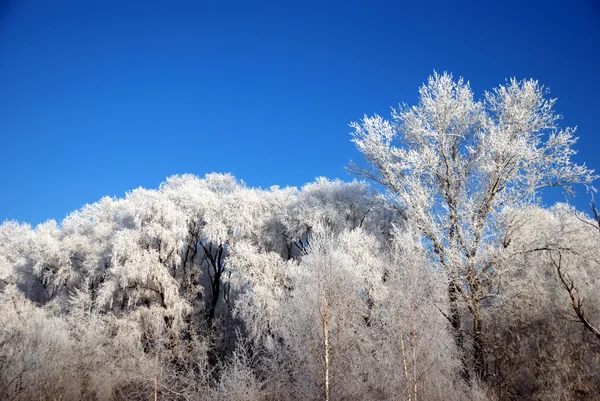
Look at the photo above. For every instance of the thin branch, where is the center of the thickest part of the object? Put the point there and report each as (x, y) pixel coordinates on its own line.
(576, 301)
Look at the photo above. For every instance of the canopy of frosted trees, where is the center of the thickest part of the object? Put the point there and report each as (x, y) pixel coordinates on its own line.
(446, 280)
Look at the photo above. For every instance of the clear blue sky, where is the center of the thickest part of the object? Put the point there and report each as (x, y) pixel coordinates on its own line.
(100, 97)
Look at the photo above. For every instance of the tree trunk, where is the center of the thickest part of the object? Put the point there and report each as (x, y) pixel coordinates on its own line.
(218, 268)
(457, 331)
(216, 290)
(325, 319)
(478, 345)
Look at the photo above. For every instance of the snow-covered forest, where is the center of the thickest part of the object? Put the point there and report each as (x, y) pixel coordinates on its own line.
(437, 274)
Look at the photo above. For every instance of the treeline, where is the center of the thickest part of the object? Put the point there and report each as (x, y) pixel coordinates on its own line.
(449, 281)
(205, 288)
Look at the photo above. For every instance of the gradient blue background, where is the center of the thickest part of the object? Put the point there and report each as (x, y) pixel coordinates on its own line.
(100, 97)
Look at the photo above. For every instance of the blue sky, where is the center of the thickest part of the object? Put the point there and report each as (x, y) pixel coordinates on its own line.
(100, 97)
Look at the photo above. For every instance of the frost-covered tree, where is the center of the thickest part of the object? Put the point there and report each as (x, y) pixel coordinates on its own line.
(539, 348)
(218, 211)
(453, 163)
(14, 252)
